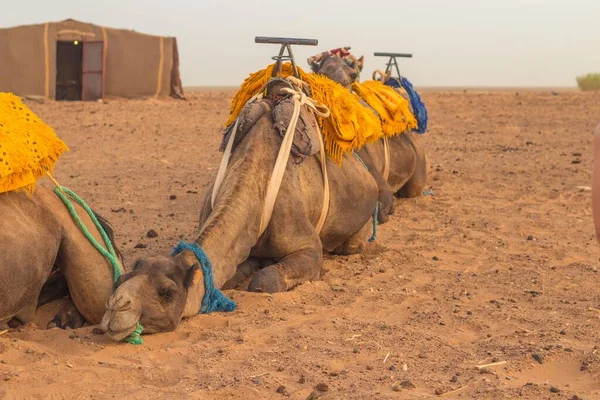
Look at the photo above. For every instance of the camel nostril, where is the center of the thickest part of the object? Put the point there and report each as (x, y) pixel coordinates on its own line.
(121, 303)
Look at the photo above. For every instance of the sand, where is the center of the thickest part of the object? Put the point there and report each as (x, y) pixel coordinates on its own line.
(499, 264)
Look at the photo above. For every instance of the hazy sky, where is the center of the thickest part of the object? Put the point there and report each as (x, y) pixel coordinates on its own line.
(454, 42)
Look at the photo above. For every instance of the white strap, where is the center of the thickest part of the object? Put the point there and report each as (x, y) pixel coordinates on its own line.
(325, 208)
(227, 156)
(300, 99)
(386, 156)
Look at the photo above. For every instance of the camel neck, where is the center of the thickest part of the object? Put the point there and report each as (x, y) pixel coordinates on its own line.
(79, 260)
(231, 231)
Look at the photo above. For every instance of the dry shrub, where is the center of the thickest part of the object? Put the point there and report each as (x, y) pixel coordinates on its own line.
(589, 81)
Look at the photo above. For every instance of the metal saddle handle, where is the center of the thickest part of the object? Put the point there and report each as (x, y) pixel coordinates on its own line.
(286, 44)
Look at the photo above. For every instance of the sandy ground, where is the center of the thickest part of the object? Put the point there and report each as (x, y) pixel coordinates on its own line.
(499, 265)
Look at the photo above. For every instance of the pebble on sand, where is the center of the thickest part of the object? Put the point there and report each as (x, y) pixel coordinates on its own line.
(407, 384)
(322, 387)
(282, 390)
(538, 358)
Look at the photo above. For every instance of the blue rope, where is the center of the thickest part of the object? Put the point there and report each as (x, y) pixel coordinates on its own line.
(417, 104)
(374, 236)
(394, 82)
(214, 299)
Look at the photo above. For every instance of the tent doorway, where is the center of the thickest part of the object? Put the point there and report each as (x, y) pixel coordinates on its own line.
(69, 57)
(79, 70)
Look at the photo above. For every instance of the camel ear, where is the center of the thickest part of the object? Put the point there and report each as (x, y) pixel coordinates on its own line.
(360, 63)
(314, 64)
(316, 61)
(193, 276)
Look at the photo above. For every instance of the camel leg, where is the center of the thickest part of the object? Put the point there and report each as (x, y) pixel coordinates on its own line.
(417, 182)
(356, 243)
(290, 271)
(25, 315)
(245, 271)
(386, 195)
(68, 317)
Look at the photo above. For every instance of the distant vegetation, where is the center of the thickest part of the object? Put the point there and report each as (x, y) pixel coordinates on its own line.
(589, 82)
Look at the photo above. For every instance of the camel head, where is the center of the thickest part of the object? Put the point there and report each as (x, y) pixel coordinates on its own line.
(344, 70)
(154, 293)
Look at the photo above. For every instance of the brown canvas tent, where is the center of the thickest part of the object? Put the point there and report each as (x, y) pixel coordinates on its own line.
(71, 60)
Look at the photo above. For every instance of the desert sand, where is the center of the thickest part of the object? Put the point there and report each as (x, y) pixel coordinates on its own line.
(499, 265)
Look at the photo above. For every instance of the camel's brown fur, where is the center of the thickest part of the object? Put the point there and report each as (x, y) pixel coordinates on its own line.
(409, 165)
(288, 253)
(38, 236)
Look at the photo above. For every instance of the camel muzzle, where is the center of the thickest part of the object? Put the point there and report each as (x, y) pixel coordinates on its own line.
(121, 316)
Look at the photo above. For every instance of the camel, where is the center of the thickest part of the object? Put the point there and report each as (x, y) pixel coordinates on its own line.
(161, 290)
(596, 183)
(409, 164)
(43, 250)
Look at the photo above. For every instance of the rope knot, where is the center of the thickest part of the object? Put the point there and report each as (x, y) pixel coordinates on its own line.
(298, 94)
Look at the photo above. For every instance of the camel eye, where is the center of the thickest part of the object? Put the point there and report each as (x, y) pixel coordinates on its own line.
(166, 294)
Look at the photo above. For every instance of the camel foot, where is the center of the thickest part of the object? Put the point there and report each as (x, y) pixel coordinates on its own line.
(14, 323)
(356, 243)
(268, 280)
(410, 191)
(386, 206)
(67, 318)
(383, 214)
(245, 271)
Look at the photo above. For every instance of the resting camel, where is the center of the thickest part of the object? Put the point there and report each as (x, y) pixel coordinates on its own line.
(409, 165)
(596, 183)
(160, 290)
(38, 237)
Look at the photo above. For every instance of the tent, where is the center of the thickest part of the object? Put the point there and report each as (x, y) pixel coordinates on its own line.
(71, 60)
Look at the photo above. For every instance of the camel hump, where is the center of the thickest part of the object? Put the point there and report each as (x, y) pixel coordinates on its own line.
(248, 117)
(306, 142)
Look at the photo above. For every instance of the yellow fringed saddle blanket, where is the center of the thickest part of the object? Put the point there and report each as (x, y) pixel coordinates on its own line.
(28, 147)
(350, 125)
(393, 109)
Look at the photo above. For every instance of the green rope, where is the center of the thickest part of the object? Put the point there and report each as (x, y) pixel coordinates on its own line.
(109, 252)
(136, 335)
